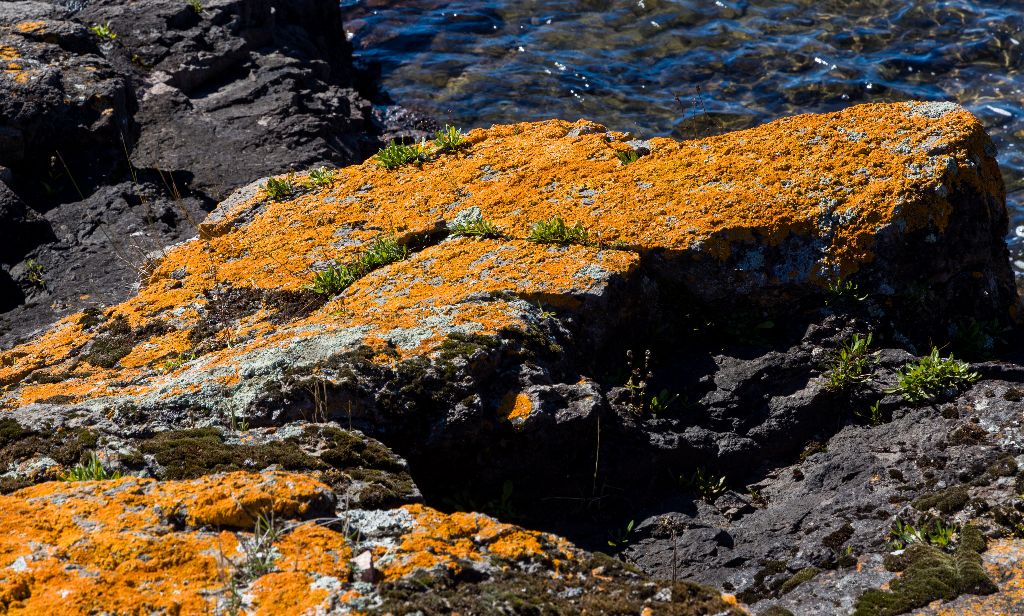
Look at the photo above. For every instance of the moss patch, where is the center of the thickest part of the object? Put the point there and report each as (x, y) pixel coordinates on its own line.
(930, 574)
(605, 589)
(948, 501)
(189, 454)
(799, 578)
(66, 446)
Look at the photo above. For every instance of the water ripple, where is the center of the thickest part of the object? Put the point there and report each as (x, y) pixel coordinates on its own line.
(622, 63)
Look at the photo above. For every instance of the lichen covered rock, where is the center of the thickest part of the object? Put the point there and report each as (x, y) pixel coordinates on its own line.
(766, 215)
(264, 543)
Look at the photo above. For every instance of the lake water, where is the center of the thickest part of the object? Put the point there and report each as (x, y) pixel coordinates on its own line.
(623, 63)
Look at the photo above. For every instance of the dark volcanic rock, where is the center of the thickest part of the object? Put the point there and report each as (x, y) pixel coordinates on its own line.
(187, 104)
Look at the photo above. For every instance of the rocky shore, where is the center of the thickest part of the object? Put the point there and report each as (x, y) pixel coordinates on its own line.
(123, 123)
(543, 368)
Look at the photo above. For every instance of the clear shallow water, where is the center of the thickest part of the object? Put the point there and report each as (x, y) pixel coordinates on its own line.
(624, 62)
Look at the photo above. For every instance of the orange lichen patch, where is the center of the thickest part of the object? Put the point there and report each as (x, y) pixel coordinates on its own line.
(287, 592)
(236, 499)
(836, 178)
(34, 27)
(117, 547)
(1004, 560)
(312, 548)
(516, 407)
(450, 541)
(8, 53)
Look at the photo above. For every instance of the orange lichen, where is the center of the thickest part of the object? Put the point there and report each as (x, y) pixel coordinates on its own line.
(451, 541)
(35, 27)
(866, 167)
(76, 548)
(516, 407)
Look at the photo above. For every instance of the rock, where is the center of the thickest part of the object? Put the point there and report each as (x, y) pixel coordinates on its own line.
(180, 107)
(614, 363)
(248, 541)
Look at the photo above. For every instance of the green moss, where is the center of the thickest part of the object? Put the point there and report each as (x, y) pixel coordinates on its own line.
(347, 449)
(835, 540)
(1005, 466)
(13, 484)
(187, 454)
(968, 434)
(801, 576)
(11, 431)
(91, 317)
(507, 590)
(948, 501)
(930, 574)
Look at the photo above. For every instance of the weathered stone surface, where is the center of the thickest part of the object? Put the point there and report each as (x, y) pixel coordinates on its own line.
(263, 543)
(134, 132)
(496, 366)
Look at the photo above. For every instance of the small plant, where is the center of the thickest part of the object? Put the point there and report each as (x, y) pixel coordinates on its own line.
(396, 154)
(320, 177)
(478, 227)
(91, 470)
(35, 274)
(260, 554)
(639, 375)
(103, 32)
(381, 251)
(931, 376)
(849, 365)
(338, 277)
(450, 139)
(622, 538)
(173, 364)
(555, 231)
(660, 403)
(873, 414)
(627, 156)
(279, 189)
(544, 314)
(332, 280)
(843, 291)
(937, 533)
(705, 485)
(196, 6)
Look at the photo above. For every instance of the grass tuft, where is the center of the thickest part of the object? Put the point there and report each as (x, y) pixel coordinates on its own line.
(450, 139)
(479, 227)
(395, 155)
(337, 277)
(850, 365)
(90, 470)
(333, 280)
(103, 32)
(320, 177)
(627, 156)
(555, 231)
(933, 375)
(279, 189)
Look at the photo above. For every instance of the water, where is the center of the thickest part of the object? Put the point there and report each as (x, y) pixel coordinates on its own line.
(623, 63)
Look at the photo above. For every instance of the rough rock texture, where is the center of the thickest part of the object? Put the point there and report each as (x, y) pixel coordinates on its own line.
(263, 543)
(620, 391)
(114, 142)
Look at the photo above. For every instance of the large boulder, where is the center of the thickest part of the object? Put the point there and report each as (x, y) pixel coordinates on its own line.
(421, 305)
